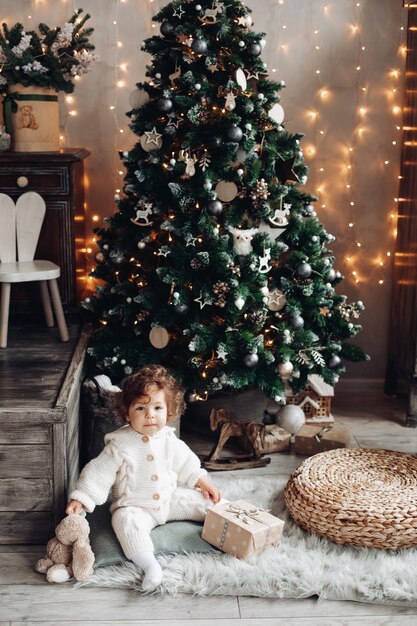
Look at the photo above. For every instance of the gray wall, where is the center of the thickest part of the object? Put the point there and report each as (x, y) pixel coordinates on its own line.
(296, 51)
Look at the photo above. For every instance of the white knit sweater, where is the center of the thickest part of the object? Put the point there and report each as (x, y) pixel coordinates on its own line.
(143, 470)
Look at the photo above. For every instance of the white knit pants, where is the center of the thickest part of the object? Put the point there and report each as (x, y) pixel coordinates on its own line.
(133, 525)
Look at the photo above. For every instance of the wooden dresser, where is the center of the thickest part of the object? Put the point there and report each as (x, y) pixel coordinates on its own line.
(59, 178)
(39, 429)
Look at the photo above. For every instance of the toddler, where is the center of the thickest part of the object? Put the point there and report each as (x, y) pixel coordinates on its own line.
(144, 463)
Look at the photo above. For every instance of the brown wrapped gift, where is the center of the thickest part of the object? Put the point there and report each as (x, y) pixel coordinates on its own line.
(314, 438)
(241, 529)
(266, 439)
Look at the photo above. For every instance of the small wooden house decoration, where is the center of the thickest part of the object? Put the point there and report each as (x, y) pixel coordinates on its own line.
(315, 400)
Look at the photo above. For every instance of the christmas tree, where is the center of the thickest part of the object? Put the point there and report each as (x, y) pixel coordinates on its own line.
(215, 263)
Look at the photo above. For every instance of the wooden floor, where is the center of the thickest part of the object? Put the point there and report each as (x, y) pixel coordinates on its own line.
(25, 597)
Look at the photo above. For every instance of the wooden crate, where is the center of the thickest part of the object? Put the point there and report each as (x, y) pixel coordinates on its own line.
(39, 430)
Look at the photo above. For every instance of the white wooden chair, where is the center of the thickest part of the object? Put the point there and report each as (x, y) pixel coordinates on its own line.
(21, 224)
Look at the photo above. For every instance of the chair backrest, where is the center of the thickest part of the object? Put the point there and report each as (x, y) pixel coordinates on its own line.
(7, 229)
(21, 224)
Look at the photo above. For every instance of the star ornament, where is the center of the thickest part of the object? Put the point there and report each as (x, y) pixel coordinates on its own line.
(178, 12)
(164, 251)
(152, 136)
(201, 302)
(284, 171)
(222, 354)
(174, 120)
(190, 240)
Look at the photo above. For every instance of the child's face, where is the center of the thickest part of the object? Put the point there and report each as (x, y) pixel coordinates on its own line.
(148, 414)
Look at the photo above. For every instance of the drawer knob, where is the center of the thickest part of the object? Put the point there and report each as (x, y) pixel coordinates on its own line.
(22, 181)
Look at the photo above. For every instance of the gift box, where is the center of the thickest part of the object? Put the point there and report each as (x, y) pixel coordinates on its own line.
(314, 438)
(241, 529)
(266, 439)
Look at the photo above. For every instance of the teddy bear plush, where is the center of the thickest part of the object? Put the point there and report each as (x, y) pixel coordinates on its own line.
(69, 552)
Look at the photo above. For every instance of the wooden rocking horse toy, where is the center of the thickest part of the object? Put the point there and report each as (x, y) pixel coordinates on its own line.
(219, 418)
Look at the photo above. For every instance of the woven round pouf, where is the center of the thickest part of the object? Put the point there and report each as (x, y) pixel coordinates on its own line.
(363, 497)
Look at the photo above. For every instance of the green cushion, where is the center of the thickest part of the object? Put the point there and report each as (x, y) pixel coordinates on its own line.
(171, 537)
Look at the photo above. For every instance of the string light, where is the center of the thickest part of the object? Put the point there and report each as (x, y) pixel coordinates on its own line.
(336, 175)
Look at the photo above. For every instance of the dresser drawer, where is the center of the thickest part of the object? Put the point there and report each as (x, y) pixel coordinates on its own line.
(46, 181)
(25, 461)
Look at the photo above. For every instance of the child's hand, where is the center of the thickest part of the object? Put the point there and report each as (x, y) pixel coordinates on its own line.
(208, 490)
(74, 506)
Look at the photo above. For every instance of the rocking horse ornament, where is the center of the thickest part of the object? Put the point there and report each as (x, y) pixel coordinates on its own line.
(252, 431)
(211, 15)
(143, 210)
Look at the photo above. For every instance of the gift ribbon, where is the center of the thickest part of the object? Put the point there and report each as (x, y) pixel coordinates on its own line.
(276, 435)
(244, 514)
(10, 104)
(319, 436)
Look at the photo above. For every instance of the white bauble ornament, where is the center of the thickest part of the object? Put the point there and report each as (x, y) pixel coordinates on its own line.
(285, 369)
(276, 113)
(291, 417)
(138, 98)
(240, 79)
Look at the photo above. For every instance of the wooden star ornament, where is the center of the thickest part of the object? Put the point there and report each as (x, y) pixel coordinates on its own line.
(284, 171)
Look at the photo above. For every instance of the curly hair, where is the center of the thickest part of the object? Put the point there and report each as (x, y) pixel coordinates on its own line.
(139, 383)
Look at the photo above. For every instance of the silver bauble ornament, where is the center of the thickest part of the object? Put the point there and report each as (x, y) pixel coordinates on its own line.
(164, 105)
(334, 361)
(297, 321)
(199, 46)
(331, 275)
(235, 133)
(251, 360)
(215, 207)
(166, 29)
(254, 49)
(304, 270)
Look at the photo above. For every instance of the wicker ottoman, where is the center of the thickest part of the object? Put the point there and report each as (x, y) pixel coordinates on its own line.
(357, 496)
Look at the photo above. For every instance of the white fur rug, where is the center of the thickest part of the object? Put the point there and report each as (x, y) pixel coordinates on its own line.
(302, 565)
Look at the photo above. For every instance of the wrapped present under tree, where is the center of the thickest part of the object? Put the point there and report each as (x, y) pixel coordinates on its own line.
(314, 438)
(241, 529)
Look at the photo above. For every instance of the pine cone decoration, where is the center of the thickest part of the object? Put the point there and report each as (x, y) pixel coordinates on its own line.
(258, 318)
(260, 192)
(220, 289)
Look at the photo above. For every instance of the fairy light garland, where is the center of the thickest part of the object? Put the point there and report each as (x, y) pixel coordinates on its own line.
(359, 267)
(341, 192)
